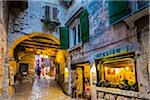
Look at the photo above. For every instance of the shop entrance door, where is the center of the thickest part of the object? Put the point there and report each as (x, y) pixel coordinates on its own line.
(79, 81)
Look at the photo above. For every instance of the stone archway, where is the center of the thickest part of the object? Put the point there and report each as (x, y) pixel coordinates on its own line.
(24, 37)
(12, 62)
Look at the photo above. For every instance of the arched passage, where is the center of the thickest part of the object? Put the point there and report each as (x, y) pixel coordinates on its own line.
(25, 37)
(24, 49)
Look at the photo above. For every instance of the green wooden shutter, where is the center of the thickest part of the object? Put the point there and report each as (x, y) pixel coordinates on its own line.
(84, 22)
(64, 38)
(117, 10)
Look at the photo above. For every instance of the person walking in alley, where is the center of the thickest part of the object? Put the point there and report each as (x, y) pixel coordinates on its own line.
(42, 71)
(38, 71)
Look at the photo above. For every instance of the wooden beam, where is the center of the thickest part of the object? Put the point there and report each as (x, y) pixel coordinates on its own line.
(38, 43)
(37, 46)
(42, 40)
(48, 46)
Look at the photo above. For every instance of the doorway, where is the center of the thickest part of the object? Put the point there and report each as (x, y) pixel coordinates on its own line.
(23, 68)
(80, 81)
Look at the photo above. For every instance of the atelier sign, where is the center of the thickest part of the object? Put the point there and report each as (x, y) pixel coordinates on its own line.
(111, 52)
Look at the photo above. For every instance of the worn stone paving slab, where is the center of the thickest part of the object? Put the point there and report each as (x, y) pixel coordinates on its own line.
(40, 90)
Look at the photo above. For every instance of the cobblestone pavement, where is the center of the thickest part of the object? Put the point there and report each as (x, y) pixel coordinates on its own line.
(40, 90)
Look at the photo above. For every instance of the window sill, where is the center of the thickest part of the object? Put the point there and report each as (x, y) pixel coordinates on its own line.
(128, 93)
(75, 47)
(135, 16)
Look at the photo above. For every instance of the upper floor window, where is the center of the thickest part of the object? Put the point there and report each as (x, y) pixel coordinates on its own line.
(76, 31)
(47, 11)
(118, 10)
(51, 13)
(75, 35)
(79, 34)
(55, 13)
(142, 3)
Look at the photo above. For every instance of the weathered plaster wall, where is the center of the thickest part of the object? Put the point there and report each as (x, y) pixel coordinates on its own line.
(3, 33)
(104, 37)
(29, 20)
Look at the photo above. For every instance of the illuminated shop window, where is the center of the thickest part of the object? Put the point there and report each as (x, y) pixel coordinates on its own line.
(118, 74)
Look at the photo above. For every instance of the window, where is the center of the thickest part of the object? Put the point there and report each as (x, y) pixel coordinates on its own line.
(118, 74)
(118, 10)
(55, 13)
(79, 34)
(138, 5)
(142, 3)
(51, 12)
(74, 35)
(47, 11)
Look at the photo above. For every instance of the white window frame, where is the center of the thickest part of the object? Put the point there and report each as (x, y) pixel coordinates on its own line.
(71, 36)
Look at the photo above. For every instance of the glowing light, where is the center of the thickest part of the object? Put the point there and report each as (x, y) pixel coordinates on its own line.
(127, 68)
(43, 56)
(93, 69)
(121, 68)
(66, 69)
(106, 68)
(112, 70)
(117, 70)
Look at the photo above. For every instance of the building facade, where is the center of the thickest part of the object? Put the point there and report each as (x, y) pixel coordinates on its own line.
(108, 48)
(104, 45)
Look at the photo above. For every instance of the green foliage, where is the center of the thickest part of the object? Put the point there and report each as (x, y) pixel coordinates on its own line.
(47, 21)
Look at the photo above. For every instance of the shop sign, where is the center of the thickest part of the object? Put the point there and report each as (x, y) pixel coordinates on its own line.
(111, 52)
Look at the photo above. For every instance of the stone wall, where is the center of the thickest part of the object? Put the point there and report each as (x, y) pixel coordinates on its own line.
(105, 37)
(3, 34)
(29, 21)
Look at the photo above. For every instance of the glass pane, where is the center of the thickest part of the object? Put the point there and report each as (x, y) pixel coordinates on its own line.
(55, 13)
(119, 74)
(142, 3)
(79, 33)
(74, 35)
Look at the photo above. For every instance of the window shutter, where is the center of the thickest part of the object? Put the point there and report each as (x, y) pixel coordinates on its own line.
(84, 22)
(117, 10)
(64, 38)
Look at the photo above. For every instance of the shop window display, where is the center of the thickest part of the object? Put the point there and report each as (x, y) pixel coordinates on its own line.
(118, 74)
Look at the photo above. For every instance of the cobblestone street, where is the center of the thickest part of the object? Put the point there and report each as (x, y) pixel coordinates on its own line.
(40, 90)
